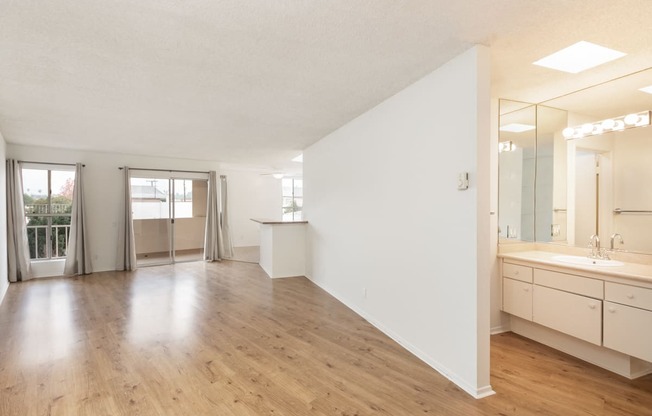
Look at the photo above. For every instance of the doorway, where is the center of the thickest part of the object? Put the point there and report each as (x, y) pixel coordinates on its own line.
(169, 217)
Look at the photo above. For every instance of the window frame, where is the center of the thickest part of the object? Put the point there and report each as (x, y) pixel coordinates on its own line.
(293, 198)
(49, 215)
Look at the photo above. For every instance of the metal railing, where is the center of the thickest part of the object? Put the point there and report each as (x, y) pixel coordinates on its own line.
(38, 241)
(43, 208)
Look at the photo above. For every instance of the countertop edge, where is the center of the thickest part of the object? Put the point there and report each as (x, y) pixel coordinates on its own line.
(601, 270)
(276, 222)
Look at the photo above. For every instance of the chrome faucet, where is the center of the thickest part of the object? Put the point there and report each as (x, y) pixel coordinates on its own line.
(613, 238)
(594, 245)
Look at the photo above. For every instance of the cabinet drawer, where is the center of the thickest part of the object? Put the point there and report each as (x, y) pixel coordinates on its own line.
(628, 295)
(515, 271)
(626, 329)
(569, 283)
(565, 312)
(517, 298)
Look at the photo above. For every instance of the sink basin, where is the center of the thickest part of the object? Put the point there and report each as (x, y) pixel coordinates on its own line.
(586, 261)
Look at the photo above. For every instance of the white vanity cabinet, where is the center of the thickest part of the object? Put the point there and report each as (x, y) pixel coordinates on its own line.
(517, 290)
(600, 316)
(628, 320)
(569, 304)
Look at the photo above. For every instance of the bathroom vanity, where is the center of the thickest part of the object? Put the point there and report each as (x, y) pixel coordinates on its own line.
(601, 314)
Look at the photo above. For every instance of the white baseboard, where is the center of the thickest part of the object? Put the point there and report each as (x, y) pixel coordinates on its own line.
(499, 330)
(475, 392)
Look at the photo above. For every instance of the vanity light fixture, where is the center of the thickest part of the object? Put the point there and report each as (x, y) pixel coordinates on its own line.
(506, 147)
(517, 127)
(621, 123)
(579, 57)
(647, 89)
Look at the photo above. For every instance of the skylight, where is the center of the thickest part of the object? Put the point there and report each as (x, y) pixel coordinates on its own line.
(517, 127)
(647, 89)
(579, 57)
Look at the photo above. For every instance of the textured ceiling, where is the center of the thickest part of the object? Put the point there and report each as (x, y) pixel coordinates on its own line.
(255, 82)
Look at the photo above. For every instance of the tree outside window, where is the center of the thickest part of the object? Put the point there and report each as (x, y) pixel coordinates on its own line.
(47, 195)
(292, 199)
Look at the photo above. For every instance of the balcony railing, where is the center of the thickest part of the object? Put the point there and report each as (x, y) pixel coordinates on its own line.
(38, 241)
(43, 208)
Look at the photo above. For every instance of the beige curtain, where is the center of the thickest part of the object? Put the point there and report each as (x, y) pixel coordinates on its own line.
(78, 256)
(227, 245)
(17, 245)
(217, 243)
(127, 245)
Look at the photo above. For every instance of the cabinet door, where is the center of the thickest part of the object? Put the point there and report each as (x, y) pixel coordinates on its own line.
(517, 272)
(571, 314)
(517, 298)
(627, 329)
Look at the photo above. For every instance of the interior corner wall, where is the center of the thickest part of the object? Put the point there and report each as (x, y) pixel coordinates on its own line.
(4, 280)
(251, 195)
(392, 237)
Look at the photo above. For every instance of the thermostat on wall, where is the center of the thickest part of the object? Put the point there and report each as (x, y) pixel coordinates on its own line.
(463, 181)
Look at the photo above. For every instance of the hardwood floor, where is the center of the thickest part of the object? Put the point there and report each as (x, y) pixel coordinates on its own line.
(223, 339)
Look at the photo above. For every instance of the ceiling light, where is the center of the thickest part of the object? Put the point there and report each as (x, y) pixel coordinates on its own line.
(298, 158)
(278, 175)
(647, 89)
(621, 123)
(517, 127)
(579, 57)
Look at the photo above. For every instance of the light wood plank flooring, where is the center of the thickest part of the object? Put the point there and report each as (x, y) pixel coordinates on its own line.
(223, 339)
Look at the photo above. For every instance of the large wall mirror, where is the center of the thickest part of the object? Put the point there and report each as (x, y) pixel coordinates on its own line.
(592, 169)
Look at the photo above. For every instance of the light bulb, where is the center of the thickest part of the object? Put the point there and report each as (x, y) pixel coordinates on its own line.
(608, 124)
(568, 132)
(631, 119)
(597, 129)
(587, 128)
(620, 125)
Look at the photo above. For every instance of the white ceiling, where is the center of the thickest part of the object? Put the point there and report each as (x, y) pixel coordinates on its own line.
(255, 82)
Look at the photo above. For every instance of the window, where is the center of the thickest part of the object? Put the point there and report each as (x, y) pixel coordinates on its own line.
(292, 199)
(47, 194)
(150, 197)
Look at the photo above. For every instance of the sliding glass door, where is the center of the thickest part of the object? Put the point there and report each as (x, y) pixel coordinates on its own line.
(169, 217)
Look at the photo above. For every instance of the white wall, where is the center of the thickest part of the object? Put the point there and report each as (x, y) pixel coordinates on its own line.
(4, 280)
(392, 237)
(104, 191)
(251, 195)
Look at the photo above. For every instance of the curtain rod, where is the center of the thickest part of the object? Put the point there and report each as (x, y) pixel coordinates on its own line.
(167, 170)
(48, 163)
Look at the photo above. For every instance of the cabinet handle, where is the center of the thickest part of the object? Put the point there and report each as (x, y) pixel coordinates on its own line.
(612, 309)
(592, 306)
(526, 289)
(630, 296)
(516, 273)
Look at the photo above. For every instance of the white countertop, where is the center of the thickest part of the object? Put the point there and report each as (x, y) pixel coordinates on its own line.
(634, 271)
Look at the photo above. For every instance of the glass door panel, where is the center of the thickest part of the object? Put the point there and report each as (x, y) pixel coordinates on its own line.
(151, 210)
(189, 218)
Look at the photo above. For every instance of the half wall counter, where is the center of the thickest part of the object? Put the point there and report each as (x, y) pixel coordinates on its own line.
(282, 247)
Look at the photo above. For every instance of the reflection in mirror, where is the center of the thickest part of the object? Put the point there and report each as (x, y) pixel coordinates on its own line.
(598, 180)
(550, 193)
(517, 163)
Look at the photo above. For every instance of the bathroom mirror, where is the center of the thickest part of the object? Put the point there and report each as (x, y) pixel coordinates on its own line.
(516, 177)
(594, 166)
